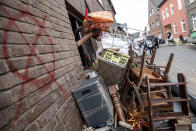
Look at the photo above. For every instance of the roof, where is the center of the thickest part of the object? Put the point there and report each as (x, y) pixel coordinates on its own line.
(112, 6)
(156, 3)
(161, 3)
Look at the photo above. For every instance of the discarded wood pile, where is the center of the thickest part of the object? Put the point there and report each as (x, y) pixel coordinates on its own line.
(141, 95)
(146, 96)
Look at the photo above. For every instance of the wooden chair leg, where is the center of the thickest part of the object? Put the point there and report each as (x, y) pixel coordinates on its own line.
(142, 69)
(169, 93)
(153, 56)
(168, 65)
(184, 94)
(149, 105)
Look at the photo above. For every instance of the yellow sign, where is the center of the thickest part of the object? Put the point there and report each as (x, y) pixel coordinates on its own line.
(115, 58)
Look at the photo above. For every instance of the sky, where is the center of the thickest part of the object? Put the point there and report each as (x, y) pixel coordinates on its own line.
(132, 12)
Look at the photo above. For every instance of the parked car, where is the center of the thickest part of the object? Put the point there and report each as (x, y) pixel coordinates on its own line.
(191, 40)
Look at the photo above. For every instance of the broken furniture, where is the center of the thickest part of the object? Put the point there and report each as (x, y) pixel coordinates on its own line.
(135, 94)
(116, 100)
(139, 71)
(94, 102)
(175, 118)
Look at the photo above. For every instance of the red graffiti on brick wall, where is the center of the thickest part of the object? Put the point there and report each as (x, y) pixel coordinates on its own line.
(25, 76)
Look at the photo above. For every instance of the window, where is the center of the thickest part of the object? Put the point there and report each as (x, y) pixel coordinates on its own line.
(157, 22)
(153, 25)
(175, 28)
(163, 14)
(183, 26)
(172, 9)
(179, 4)
(191, 1)
(150, 14)
(101, 2)
(194, 22)
(159, 36)
(152, 11)
(166, 12)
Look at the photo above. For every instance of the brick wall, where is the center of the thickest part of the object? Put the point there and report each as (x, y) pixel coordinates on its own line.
(177, 17)
(152, 20)
(39, 66)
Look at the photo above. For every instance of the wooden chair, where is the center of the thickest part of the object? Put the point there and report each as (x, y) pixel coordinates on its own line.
(140, 70)
(168, 115)
(138, 74)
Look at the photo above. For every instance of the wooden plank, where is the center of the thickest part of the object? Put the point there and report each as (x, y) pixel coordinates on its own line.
(169, 116)
(166, 84)
(156, 66)
(173, 99)
(152, 92)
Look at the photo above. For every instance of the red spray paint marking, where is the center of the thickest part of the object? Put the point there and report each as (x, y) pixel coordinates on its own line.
(32, 47)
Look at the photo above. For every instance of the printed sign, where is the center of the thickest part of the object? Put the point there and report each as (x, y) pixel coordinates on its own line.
(115, 58)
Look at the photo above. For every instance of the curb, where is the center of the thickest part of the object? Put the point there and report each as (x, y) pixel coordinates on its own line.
(177, 45)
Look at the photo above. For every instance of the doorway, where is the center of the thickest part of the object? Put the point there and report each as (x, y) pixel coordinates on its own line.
(168, 28)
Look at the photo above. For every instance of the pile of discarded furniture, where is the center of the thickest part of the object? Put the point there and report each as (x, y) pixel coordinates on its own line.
(147, 96)
(131, 92)
(141, 95)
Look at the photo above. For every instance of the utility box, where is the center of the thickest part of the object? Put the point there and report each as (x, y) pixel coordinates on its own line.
(94, 102)
(112, 67)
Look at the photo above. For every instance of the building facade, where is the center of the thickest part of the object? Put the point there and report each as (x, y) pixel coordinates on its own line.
(154, 21)
(40, 63)
(173, 17)
(191, 15)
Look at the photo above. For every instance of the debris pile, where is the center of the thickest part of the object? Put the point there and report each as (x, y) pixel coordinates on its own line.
(131, 92)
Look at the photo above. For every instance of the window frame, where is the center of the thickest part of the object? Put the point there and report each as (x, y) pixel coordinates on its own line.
(175, 28)
(163, 14)
(191, 1)
(183, 25)
(157, 22)
(194, 22)
(167, 12)
(152, 11)
(153, 25)
(179, 4)
(172, 9)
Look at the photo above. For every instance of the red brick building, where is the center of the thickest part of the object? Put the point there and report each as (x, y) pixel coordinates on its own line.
(173, 17)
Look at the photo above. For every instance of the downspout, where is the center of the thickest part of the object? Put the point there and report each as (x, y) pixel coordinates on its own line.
(186, 13)
(161, 27)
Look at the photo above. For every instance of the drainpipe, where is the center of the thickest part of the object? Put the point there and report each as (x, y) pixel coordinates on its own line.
(187, 14)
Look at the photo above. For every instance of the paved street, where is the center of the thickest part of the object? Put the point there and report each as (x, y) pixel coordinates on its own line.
(184, 62)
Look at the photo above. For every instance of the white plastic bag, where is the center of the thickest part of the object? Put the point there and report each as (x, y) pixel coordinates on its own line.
(112, 41)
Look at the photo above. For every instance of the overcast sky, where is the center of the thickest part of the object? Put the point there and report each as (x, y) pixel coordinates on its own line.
(132, 12)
